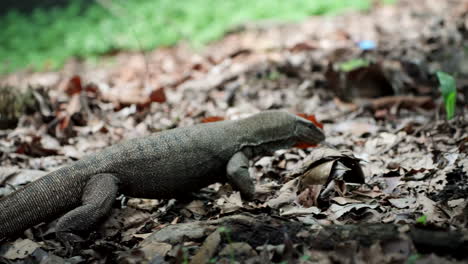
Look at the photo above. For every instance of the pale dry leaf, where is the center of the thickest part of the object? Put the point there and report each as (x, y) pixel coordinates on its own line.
(20, 249)
(456, 202)
(74, 105)
(154, 249)
(287, 194)
(383, 142)
(464, 163)
(49, 142)
(337, 211)
(231, 203)
(143, 204)
(197, 207)
(309, 220)
(430, 209)
(265, 188)
(15, 176)
(344, 200)
(71, 151)
(264, 162)
(339, 170)
(142, 236)
(173, 234)
(355, 127)
(391, 184)
(368, 193)
(401, 203)
(292, 210)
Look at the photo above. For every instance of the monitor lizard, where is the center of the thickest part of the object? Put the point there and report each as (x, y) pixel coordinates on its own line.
(166, 164)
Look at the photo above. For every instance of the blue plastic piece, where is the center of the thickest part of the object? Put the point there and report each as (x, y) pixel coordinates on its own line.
(367, 45)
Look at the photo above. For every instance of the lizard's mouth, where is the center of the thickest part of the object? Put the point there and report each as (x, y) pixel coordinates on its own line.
(307, 142)
(308, 136)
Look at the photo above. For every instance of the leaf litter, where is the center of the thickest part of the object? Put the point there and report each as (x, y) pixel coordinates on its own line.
(381, 112)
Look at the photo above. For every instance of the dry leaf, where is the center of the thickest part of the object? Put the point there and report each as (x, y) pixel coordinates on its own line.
(197, 207)
(207, 250)
(287, 194)
(21, 249)
(339, 210)
(297, 210)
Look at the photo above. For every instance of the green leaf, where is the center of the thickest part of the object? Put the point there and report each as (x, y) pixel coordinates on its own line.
(450, 105)
(354, 64)
(422, 219)
(413, 258)
(273, 75)
(449, 92)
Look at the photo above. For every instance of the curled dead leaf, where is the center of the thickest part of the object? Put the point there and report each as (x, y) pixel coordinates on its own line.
(325, 170)
(324, 165)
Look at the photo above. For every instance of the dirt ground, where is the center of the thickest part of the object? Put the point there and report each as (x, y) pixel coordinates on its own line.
(389, 185)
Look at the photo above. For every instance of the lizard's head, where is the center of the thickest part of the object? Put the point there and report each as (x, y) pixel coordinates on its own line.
(307, 132)
(280, 129)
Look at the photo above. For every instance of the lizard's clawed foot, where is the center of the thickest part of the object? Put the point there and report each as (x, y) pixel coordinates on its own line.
(70, 241)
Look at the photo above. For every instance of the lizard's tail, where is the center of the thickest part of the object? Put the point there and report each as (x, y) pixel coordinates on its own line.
(40, 201)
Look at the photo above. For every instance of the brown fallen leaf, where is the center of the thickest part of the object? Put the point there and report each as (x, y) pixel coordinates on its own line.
(210, 119)
(401, 101)
(74, 85)
(197, 207)
(309, 196)
(207, 250)
(158, 96)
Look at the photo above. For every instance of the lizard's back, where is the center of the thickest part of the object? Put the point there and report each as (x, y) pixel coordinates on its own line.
(173, 162)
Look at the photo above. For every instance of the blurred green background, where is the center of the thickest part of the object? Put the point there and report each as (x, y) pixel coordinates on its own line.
(42, 35)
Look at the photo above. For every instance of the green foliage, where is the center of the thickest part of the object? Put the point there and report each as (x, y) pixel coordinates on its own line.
(46, 38)
(273, 75)
(353, 64)
(413, 258)
(449, 93)
(422, 219)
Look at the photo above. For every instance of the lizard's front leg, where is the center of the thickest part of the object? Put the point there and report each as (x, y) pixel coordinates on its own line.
(238, 175)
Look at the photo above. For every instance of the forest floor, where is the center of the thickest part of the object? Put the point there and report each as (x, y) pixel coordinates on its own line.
(388, 186)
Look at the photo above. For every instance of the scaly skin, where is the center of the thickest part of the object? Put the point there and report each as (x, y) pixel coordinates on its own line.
(163, 165)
